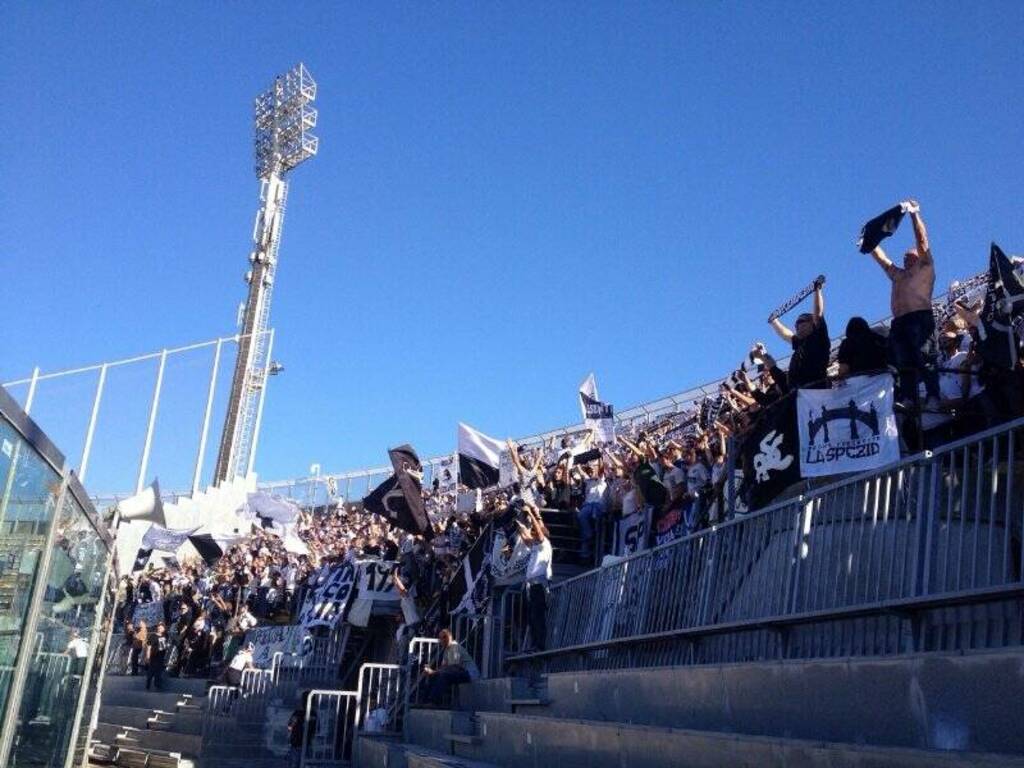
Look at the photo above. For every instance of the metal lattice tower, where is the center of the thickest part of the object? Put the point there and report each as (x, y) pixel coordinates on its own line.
(283, 118)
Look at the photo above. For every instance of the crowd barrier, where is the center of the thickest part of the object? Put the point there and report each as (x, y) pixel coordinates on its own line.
(858, 567)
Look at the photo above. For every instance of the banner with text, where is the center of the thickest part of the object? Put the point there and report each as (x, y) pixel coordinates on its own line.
(850, 428)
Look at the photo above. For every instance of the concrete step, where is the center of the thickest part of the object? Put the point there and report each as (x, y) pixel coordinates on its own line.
(185, 685)
(187, 744)
(511, 741)
(376, 753)
(927, 701)
(149, 700)
(434, 728)
(138, 717)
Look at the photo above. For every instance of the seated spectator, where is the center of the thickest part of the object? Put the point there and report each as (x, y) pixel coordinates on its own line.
(456, 667)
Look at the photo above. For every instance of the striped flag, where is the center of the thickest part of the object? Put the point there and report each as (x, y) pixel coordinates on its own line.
(479, 458)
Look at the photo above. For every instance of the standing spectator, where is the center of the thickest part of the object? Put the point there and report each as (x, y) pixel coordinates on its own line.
(595, 502)
(300, 730)
(697, 478)
(139, 640)
(538, 576)
(863, 350)
(913, 323)
(156, 657)
(811, 345)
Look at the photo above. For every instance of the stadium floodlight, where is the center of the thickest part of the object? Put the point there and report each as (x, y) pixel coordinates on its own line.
(282, 140)
(283, 121)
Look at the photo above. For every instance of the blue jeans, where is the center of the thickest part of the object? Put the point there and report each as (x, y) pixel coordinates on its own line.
(589, 513)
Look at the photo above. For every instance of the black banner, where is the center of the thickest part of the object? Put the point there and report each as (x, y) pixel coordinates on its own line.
(770, 455)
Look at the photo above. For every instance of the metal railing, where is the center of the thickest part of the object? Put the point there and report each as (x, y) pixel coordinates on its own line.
(861, 566)
(329, 728)
(379, 698)
(423, 652)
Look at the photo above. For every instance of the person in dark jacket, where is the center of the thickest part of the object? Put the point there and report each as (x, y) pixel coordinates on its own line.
(863, 350)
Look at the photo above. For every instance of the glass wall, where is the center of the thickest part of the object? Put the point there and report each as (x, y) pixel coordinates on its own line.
(29, 497)
(54, 557)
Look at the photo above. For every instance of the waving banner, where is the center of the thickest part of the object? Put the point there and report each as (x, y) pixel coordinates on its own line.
(597, 415)
(847, 429)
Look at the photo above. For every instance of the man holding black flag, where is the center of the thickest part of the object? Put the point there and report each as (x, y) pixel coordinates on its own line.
(913, 324)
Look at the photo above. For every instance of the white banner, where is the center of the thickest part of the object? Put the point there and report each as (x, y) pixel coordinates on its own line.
(598, 416)
(508, 567)
(850, 428)
(270, 640)
(325, 605)
(375, 586)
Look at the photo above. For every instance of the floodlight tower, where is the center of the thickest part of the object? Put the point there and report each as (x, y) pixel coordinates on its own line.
(283, 117)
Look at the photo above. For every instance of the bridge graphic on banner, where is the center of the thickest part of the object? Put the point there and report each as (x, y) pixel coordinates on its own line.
(868, 417)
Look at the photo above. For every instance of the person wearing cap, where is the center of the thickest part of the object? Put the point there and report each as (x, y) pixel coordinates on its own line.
(811, 346)
(156, 656)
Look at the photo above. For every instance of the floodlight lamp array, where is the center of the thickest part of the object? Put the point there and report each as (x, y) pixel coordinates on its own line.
(283, 118)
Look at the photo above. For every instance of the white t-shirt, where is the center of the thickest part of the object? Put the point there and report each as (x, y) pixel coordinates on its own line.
(538, 568)
(674, 477)
(594, 490)
(241, 661)
(629, 502)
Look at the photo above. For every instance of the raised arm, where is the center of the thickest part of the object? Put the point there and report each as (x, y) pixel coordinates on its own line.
(819, 298)
(920, 233)
(781, 329)
(513, 452)
(884, 262)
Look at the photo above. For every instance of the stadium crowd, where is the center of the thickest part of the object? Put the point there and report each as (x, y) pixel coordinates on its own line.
(681, 470)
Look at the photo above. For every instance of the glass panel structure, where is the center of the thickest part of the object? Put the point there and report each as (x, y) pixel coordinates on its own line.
(54, 561)
(30, 490)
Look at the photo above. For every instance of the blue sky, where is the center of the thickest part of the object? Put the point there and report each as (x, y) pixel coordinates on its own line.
(507, 197)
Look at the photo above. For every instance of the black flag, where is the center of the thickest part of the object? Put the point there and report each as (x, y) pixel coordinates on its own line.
(141, 559)
(399, 499)
(770, 454)
(877, 229)
(1004, 299)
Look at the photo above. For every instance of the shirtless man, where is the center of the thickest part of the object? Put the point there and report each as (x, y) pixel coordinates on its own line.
(913, 323)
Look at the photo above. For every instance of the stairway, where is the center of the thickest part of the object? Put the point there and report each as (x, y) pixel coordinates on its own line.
(157, 729)
(923, 711)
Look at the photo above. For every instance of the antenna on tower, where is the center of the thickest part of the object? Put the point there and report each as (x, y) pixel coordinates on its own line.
(282, 141)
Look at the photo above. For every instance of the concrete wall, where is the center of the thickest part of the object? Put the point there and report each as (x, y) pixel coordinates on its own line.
(937, 701)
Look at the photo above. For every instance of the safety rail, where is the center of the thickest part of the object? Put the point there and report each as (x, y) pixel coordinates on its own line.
(423, 652)
(379, 698)
(329, 728)
(473, 632)
(858, 567)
